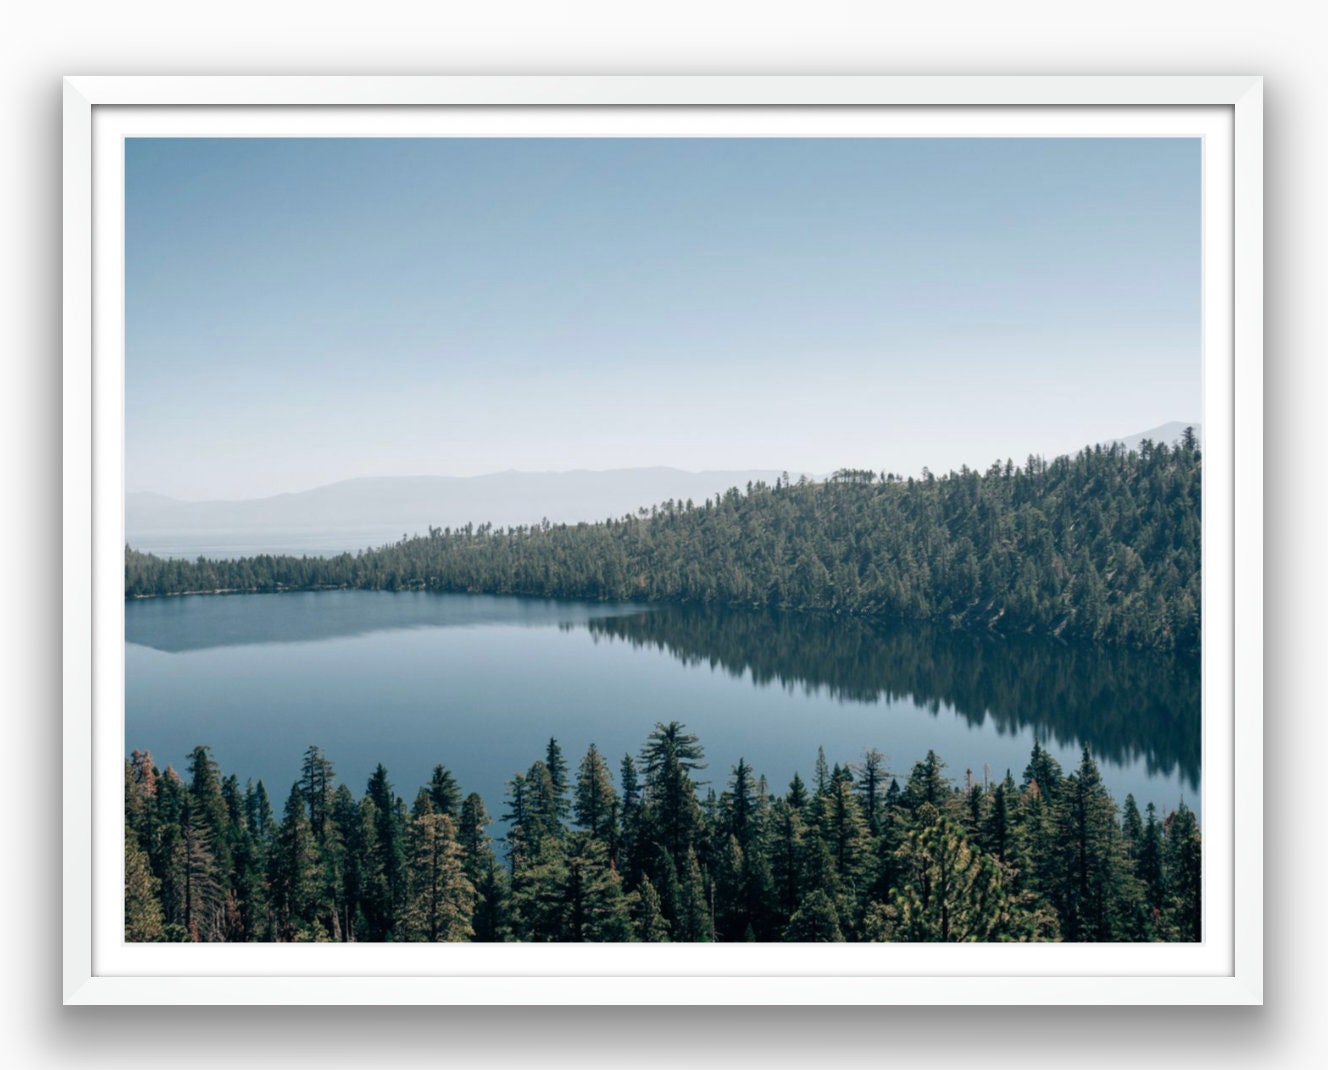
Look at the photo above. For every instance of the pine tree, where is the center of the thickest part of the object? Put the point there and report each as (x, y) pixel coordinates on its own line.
(1044, 771)
(927, 785)
(1149, 866)
(317, 786)
(1132, 827)
(491, 919)
(141, 799)
(786, 852)
(349, 835)
(976, 805)
(208, 810)
(871, 787)
(822, 772)
(951, 892)
(440, 897)
(886, 872)
(517, 817)
(627, 852)
(473, 837)
(596, 800)
(816, 921)
(384, 888)
(166, 852)
(143, 916)
(1091, 855)
(731, 916)
(295, 872)
(1038, 832)
(673, 816)
(534, 813)
(444, 795)
(557, 767)
(1184, 865)
(538, 908)
(249, 851)
(844, 831)
(596, 908)
(261, 819)
(996, 834)
(202, 904)
(481, 869)
(693, 922)
(651, 925)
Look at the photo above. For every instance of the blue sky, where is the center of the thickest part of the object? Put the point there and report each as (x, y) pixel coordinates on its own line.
(300, 311)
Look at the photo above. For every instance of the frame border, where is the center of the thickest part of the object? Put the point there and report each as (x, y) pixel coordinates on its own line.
(1242, 94)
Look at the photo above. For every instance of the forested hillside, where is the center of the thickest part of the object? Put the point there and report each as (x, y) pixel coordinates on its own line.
(1104, 546)
(852, 856)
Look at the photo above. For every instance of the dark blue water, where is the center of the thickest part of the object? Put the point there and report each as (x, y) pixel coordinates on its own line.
(480, 683)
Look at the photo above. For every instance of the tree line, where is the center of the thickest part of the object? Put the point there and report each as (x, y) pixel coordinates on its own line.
(1103, 547)
(657, 854)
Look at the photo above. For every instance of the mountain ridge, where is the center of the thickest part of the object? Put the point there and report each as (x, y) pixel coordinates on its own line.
(506, 498)
(1168, 433)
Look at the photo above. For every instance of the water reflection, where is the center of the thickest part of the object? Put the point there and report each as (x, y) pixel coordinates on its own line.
(1133, 709)
(204, 622)
(1126, 705)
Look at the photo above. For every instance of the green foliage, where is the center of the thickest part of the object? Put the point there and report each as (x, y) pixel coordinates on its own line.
(557, 766)
(570, 892)
(143, 914)
(950, 892)
(444, 795)
(596, 804)
(440, 898)
(294, 873)
(1184, 855)
(816, 921)
(926, 786)
(653, 861)
(1088, 885)
(1102, 547)
(316, 785)
(383, 843)
(651, 925)
(671, 818)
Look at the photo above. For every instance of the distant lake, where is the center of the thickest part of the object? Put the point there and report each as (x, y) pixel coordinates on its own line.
(226, 543)
(479, 684)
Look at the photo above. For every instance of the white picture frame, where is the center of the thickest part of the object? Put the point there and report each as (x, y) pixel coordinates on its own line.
(98, 968)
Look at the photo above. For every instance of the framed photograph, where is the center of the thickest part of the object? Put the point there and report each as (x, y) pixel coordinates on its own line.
(693, 539)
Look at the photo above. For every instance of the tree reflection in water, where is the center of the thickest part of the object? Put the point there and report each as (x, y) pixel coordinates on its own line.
(1125, 705)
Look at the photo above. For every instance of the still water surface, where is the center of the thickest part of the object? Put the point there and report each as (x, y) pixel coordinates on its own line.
(480, 683)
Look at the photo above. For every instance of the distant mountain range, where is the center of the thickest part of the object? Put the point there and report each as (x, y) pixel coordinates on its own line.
(412, 503)
(1168, 433)
(359, 512)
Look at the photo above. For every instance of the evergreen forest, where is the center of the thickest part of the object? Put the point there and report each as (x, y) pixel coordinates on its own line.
(657, 854)
(1102, 547)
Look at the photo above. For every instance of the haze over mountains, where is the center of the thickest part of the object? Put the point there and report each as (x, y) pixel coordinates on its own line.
(1168, 433)
(356, 513)
(411, 504)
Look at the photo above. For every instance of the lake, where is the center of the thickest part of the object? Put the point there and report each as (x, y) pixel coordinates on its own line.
(479, 684)
(230, 543)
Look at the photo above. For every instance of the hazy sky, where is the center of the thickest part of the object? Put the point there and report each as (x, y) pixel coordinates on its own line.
(301, 311)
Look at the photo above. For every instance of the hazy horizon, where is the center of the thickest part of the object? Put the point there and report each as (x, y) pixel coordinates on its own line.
(794, 473)
(302, 312)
